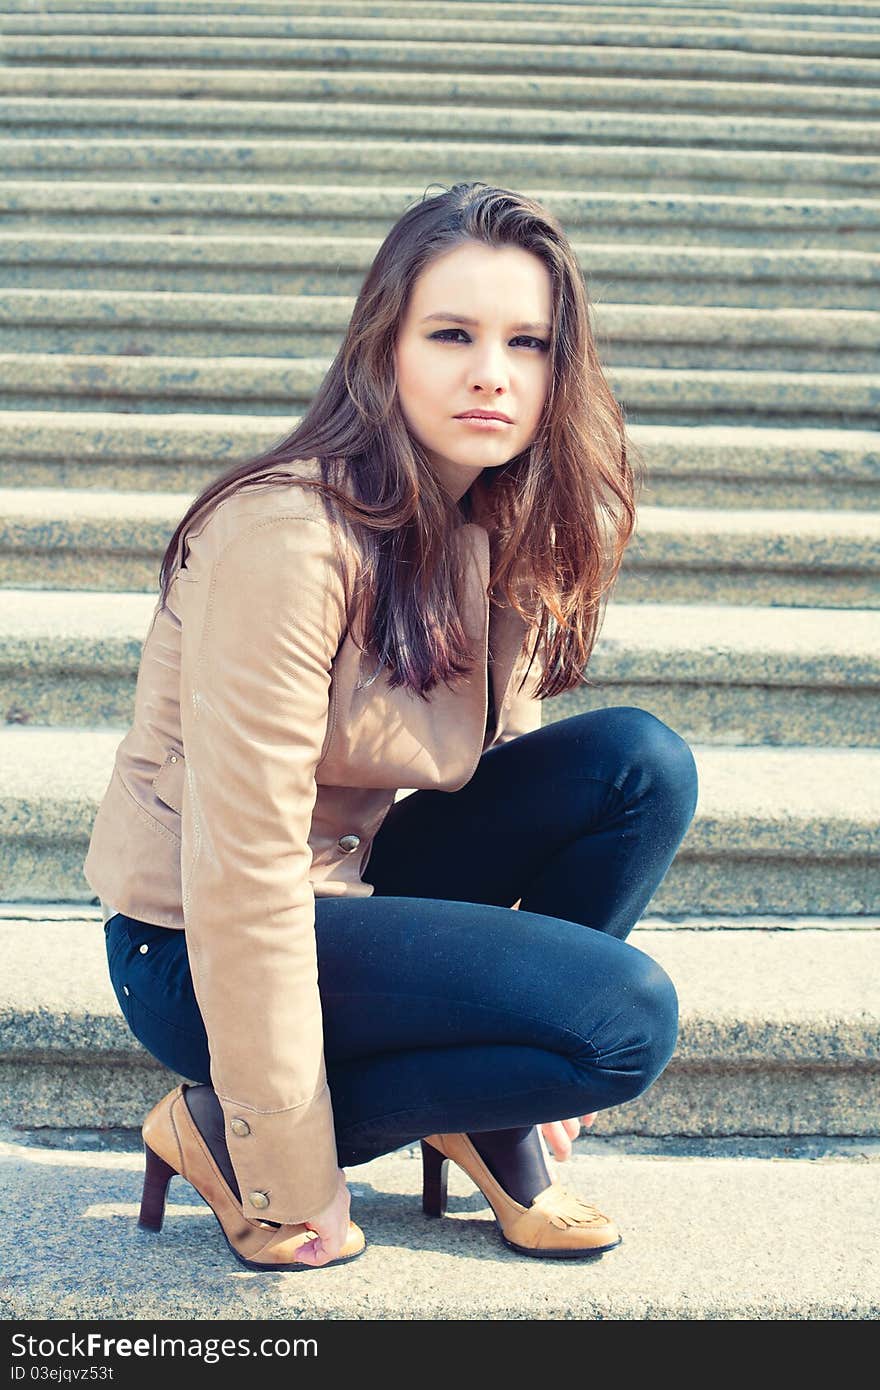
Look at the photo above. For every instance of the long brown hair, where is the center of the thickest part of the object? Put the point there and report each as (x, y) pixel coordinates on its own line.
(562, 510)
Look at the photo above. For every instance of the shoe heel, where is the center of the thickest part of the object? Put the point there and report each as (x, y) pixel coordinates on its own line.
(434, 1171)
(156, 1179)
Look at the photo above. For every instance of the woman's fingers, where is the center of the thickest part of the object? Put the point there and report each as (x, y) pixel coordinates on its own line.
(310, 1251)
(559, 1134)
(549, 1131)
(329, 1228)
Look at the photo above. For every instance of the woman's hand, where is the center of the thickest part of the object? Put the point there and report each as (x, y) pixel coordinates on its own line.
(559, 1134)
(330, 1227)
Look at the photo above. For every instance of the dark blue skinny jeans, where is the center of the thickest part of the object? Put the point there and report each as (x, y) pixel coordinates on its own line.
(446, 1010)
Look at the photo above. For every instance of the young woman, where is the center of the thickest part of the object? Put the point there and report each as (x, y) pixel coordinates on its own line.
(376, 606)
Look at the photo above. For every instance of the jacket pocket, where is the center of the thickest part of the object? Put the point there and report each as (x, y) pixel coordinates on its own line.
(168, 782)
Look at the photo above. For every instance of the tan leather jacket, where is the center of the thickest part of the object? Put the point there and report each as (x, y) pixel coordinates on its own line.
(262, 759)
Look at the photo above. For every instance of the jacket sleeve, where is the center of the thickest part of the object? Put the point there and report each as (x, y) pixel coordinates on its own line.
(255, 681)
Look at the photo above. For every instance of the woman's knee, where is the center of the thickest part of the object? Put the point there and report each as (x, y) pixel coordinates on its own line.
(642, 1032)
(657, 757)
(659, 1029)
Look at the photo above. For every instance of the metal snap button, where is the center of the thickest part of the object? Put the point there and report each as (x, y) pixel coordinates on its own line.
(240, 1127)
(125, 989)
(349, 843)
(143, 949)
(259, 1200)
(173, 758)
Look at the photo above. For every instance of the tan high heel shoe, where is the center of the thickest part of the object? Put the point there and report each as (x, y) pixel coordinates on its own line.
(173, 1145)
(558, 1224)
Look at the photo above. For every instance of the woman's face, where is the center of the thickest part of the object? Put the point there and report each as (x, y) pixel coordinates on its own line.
(475, 336)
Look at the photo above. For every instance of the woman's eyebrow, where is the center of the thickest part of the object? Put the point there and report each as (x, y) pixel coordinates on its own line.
(459, 318)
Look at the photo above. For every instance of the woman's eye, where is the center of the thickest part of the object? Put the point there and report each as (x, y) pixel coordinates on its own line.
(446, 334)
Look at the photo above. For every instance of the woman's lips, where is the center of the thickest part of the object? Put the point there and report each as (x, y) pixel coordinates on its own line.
(479, 422)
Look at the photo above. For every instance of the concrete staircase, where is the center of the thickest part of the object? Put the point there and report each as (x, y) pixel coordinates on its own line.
(193, 191)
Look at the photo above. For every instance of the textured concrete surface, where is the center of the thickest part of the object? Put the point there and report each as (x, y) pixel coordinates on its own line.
(779, 1033)
(63, 539)
(766, 801)
(704, 1237)
(619, 26)
(628, 49)
(319, 159)
(277, 386)
(658, 218)
(688, 1099)
(455, 87)
(140, 322)
(777, 830)
(718, 673)
(759, 714)
(702, 465)
(738, 645)
(317, 265)
(728, 467)
(772, 539)
(745, 995)
(98, 118)
(798, 588)
(783, 558)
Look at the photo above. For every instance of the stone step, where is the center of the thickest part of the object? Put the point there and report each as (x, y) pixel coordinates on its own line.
(718, 674)
(326, 265)
(57, 538)
(150, 324)
(392, 35)
(645, 167)
(278, 386)
(330, 85)
(740, 675)
(788, 1018)
(801, 559)
(777, 830)
(806, 14)
(355, 210)
(742, 466)
(167, 118)
(692, 1214)
(713, 466)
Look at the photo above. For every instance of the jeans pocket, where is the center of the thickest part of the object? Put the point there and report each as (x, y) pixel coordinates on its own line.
(116, 939)
(128, 942)
(142, 934)
(150, 978)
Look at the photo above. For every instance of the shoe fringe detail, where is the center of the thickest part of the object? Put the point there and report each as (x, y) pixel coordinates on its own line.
(558, 1223)
(565, 1208)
